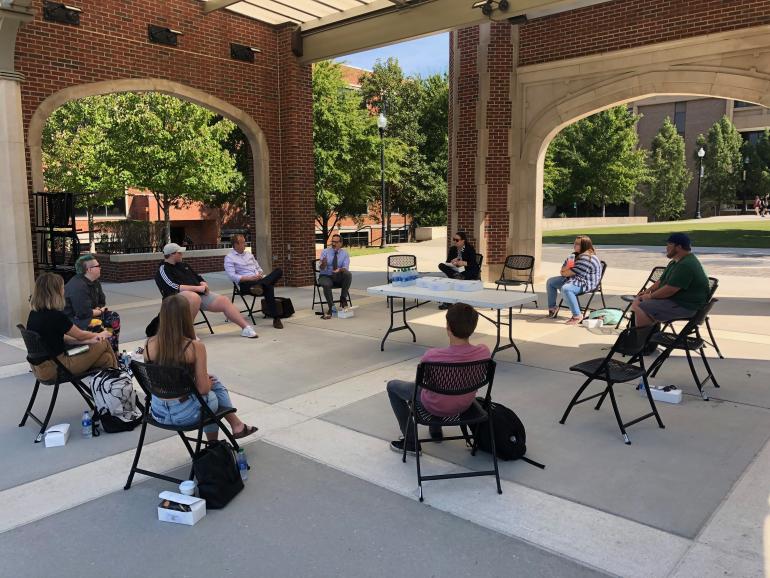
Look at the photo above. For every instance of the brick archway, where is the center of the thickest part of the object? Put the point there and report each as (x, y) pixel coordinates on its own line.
(260, 219)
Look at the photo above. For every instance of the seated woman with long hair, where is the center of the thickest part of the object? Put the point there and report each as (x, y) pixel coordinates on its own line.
(580, 273)
(57, 332)
(175, 345)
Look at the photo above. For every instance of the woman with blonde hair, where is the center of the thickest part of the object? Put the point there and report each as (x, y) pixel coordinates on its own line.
(580, 273)
(175, 344)
(48, 320)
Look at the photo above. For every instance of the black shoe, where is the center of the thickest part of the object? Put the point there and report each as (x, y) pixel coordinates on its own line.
(444, 306)
(436, 434)
(277, 323)
(398, 447)
(257, 290)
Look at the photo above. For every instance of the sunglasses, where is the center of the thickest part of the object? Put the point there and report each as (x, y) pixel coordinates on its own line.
(455, 240)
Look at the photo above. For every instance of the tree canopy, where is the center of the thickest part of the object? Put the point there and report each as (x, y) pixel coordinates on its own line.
(669, 175)
(722, 164)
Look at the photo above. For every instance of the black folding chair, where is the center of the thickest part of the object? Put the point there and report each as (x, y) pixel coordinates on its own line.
(522, 269)
(249, 307)
(630, 343)
(37, 353)
(165, 382)
(653, 277)
(590, 294)
(318, 296)
(479, 262)
(713, 286)
(688, 340)
(453, 379)
(400, 262)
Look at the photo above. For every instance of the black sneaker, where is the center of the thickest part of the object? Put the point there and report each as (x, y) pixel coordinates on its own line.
(398, 447)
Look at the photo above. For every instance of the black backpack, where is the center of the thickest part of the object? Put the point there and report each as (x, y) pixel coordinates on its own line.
(283, 305)
(510, 435)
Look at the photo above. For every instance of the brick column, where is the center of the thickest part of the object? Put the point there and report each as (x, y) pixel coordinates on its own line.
(293, 214)
(481, 69)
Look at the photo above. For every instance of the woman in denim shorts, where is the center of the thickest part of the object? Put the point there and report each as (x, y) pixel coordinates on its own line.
(175, 344)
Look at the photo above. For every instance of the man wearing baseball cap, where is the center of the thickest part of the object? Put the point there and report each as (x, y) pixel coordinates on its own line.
(681, 291)
(175, 276)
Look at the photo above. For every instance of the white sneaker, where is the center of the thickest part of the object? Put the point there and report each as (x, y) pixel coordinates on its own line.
(249, 332)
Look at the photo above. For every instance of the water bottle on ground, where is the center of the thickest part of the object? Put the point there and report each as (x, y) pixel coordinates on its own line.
(243, 465)
(86, 423)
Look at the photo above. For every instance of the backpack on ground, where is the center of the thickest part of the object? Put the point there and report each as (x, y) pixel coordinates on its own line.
(283, 308)
(510, 436)
(609, 316)
(115, 400)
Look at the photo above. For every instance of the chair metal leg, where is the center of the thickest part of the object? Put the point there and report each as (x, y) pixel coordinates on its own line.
(695, 376)
(713, 340)
(139, 446)
(574, 400)
(417, 456)
(708, 367)
(617, 414)
(28, 412)
(652, 402)
(44, 425)
(494, 450)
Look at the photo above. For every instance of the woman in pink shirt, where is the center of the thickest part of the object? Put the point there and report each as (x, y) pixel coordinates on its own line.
(461, 320)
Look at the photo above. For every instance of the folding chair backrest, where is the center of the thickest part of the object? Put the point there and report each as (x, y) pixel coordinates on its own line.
(700, 316)
(604, 270)
(37, 352)
(519, 262)
(479, 259)
(400, 262)
(632, 340)
(655, 275)
(163, 381)
(316, 263)
(713, 286)
(455, 378)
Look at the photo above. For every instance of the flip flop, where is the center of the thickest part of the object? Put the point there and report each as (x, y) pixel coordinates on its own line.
(246, 431)
(326, 316)
(574, 320)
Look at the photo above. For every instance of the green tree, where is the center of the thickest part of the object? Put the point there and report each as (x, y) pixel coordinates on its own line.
(345, 148)
(596, 160)
(723, 163)
(78, 156)
(174, 149)
(669, 175)
(758, 167)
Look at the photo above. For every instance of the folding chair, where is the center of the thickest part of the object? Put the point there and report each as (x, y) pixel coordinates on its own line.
(590, 294)
(167, 382)
(453, 379)
(400, 262)
(688, 339)
(713, 286)
(630, 343)
(318, 297)
(653, 277)
(37, 353)
(521, 266)
(479, 262)
(249, 308)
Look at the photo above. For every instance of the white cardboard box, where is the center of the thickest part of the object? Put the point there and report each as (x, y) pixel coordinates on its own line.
(671, 396)
(197, 509)
(345, 313)
(57, 435)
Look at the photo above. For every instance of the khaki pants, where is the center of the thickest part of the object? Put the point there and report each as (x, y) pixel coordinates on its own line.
(98, 356)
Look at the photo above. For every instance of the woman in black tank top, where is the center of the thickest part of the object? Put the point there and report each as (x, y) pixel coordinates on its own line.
(175, 345)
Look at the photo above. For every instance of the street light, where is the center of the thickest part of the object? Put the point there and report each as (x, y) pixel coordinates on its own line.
(382, 124)
(746, 161)
(701, 154)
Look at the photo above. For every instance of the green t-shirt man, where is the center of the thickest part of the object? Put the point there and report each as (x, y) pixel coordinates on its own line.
(688, 275)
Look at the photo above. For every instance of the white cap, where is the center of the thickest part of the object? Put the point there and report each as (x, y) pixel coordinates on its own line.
(172, 248)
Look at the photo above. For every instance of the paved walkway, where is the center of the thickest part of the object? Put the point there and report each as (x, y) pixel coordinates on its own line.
(326, 497)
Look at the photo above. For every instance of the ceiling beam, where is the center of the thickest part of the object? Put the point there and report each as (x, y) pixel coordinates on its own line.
(212, 5)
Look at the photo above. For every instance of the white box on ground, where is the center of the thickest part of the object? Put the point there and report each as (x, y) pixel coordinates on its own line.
(197, 509)
(57, 435)
(345, 313)
(673, 395)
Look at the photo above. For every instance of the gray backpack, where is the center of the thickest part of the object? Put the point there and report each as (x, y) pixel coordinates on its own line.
(115, 400)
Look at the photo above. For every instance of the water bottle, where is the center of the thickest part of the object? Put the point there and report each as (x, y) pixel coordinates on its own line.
(243, 465)
(86, 423)
(125, 359)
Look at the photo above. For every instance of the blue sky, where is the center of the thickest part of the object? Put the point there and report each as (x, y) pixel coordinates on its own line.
(423, 56)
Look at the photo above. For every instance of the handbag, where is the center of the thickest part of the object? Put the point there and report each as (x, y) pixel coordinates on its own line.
(216, 470)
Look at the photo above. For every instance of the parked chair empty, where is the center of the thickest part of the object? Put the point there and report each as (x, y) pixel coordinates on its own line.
(522, 268)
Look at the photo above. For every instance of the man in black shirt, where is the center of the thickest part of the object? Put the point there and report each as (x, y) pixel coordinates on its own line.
(175, 276)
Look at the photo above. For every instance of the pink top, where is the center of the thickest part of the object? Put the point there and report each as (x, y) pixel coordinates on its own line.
(446, 405)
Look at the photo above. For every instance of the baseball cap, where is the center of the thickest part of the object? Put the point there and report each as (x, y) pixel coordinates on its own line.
(172, 248)
(679, 239)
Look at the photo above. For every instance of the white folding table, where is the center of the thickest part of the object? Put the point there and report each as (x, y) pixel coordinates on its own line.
(485, 299)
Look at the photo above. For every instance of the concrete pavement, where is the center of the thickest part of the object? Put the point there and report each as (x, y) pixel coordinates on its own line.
(326, 497)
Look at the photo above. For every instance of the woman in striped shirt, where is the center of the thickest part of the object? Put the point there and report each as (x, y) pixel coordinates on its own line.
(580, 273)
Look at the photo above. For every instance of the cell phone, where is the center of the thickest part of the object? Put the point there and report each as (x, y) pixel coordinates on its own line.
(77, 350)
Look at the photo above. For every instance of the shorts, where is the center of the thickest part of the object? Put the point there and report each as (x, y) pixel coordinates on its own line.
(207, 300)
(665, 310)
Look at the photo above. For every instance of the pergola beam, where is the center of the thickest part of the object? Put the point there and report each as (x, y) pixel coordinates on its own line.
(213, 5)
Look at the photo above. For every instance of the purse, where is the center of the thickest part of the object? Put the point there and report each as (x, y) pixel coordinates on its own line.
(216, 470)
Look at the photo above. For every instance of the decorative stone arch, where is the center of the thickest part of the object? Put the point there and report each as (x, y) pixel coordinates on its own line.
(254, 134)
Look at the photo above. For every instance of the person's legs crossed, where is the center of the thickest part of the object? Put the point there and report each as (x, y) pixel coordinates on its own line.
(400, 393)
(570, 293)
(552, 286)
(223, 400)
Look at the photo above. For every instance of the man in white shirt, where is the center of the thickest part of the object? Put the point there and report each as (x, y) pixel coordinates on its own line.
(244, 271)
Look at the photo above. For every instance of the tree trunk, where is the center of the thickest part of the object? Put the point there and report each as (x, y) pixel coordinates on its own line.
(167, 219)
(604, 209)
(91, 244)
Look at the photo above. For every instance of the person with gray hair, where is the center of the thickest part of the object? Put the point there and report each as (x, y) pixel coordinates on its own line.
(85, 303)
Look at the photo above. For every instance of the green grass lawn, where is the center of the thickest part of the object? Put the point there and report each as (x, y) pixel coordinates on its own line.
(360, 251)
(742, 234)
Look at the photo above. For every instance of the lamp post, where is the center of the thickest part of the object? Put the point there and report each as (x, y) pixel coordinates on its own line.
(746, 161)
(701, 154)
(382, 124)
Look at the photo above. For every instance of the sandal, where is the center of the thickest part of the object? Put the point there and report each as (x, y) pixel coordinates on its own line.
(574, 320)
(246, 431)
(326, 316)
